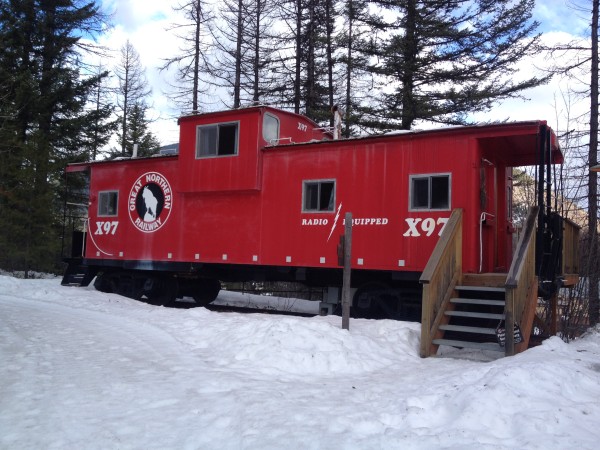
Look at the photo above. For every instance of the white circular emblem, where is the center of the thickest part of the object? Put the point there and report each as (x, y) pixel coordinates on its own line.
(150, 201)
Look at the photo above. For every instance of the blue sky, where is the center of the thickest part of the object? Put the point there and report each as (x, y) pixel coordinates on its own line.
(562, 15)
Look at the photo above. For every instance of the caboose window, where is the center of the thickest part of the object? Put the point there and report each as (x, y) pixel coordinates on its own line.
(430, 192)
(107, 203)
(318, 196)
(270, 128)
(217, 140)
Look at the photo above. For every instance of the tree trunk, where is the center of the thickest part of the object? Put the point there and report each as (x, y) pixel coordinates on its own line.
(594, 274)
(409, 54)
(329, 31)
(125, 109)
(349, 68)
(256, 62)
(297, 84)
(310, 64)
(196, 76)
(238, 57)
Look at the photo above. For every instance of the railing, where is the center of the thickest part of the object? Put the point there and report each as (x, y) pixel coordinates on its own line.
(570, 256)
(441, 275)
(521, 287)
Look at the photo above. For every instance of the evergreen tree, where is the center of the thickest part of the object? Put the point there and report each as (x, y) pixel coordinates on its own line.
(304, 60)
(450, 58)
(318, 88)
(100, 128)
(43, 108)
(138, 133)
(354, 57)
(133, 87)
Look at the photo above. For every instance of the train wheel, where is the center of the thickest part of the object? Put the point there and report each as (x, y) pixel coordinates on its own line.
(375, 301)
(163, 291)
(206, 291)
(103, 283)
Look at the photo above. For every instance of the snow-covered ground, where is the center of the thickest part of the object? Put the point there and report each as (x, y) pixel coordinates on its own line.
(80, 369)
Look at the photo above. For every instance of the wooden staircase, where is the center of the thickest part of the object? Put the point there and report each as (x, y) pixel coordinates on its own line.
(465, 310)
(473, 317)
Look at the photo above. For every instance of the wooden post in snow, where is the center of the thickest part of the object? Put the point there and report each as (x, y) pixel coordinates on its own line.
(346, 300)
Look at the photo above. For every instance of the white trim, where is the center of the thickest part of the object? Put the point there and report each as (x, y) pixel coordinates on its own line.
(217, 125)
(429, 176)
(112, 191)
(319, 181)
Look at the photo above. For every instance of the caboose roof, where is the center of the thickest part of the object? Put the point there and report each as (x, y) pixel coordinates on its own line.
(515, 142)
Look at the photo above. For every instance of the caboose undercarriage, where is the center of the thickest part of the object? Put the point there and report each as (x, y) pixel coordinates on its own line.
(376, 294)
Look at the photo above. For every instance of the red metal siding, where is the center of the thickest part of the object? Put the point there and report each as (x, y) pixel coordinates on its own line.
(128, 236)
(372, 182)
(220, 173)
(247, 209)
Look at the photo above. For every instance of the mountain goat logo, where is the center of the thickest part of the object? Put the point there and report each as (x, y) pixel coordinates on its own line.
(150, 202)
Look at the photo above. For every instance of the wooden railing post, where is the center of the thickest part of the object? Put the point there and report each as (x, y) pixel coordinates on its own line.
(509, 323)
(346, 300)
(521, 287)
(441, 274)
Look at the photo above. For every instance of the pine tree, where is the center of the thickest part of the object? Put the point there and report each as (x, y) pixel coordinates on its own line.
(101, 126)
(43, 106)
(304, 60)
(138, 133)
(359, 28)
(450, 58)
(133, 87)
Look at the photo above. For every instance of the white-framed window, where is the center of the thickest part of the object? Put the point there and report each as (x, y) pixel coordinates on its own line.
(430, 192)
(318, 195)
(220, 139)
(108, 202)
(270, 129)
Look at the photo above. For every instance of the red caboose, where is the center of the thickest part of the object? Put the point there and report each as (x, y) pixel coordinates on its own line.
(260, 194)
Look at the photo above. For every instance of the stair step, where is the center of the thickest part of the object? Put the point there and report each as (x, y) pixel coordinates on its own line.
(465, 329)
(467, 344)
(478, 301)
(480, 288)
(476, 315)
(78, 274)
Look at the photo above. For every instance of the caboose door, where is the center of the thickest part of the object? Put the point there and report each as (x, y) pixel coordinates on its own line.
(488, 218)
(75, 220)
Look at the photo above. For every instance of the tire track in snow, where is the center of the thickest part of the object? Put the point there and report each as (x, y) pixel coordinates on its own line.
(56, 359)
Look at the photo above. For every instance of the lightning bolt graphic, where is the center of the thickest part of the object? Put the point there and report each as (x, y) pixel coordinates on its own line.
(337, 216)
